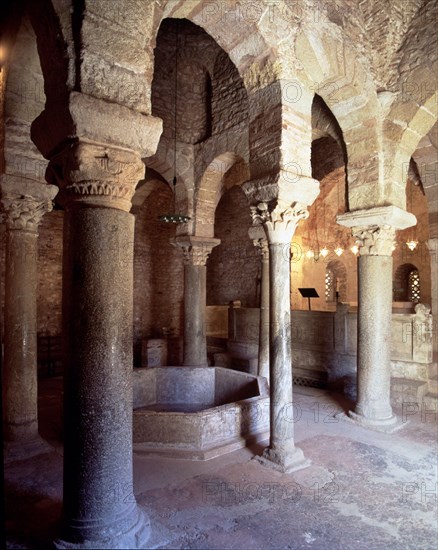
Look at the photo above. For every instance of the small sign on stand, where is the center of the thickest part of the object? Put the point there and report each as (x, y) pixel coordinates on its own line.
(308, 293)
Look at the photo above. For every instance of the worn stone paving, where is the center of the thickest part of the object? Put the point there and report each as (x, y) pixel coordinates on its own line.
(363, 490)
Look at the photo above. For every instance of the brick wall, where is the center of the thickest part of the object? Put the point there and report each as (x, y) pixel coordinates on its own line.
(233, 268)
(158, 275)
(49, 287)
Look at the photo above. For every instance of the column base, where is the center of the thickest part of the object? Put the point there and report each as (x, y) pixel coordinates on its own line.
(284, 461)
(386, 425)
(22, 450)
(132, 533)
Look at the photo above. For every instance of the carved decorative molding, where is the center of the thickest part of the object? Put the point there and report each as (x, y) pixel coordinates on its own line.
(375, 240)
(97, 174)
(195, 250)
(23, 211)
(195, 255)
(280, 223)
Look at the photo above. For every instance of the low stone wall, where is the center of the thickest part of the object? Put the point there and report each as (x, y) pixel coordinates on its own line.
(324, 344)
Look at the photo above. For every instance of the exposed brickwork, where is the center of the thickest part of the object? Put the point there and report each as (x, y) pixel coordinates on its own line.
(50, 273)
(229, 99)
(158, 275)
(194, 81)
(234, 267)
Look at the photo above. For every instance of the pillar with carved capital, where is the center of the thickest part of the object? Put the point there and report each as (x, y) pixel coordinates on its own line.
(23, 214)
(99, 507)
(280, 225)
(258, 236)
(375, 237)
(196, 251)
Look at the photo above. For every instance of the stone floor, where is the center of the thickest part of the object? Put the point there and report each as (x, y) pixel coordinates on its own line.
(364, 489)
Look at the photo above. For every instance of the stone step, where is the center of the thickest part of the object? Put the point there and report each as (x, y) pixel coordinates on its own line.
(407, 391)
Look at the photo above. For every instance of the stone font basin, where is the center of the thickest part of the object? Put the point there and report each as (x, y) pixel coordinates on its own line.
(198, 412)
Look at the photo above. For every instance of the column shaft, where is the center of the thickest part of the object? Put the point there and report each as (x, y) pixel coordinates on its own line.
(280, 353)
(99, 504)
(23, 213)
(195, 336)
(99, 507)
(374, 230)
(374, 337)
(20, 339)
(264, 319)
(280, 225)
(195, 252)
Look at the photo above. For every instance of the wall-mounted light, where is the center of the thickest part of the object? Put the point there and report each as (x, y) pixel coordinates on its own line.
(355, 249)
(412, 245)
(339, 251)
(324, 252)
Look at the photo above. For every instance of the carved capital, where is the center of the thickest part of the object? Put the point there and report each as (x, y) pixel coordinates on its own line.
(195, 250)
(96, 174)
(375, 240)
(195, 255)
(281, 222)
(23, 211)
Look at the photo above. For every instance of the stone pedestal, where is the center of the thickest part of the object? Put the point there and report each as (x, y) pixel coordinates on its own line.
(280, 225)
(258, 236)
(99, 507)
(196, 251)
(22, 216)
(375, 240)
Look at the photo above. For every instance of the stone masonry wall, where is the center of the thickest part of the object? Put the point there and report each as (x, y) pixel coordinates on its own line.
(158, 276)
(49, 290)
(234, 267)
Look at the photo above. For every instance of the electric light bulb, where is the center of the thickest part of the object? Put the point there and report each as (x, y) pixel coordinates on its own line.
(412, 245)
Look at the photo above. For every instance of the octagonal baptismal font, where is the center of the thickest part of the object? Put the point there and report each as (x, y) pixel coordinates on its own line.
(198, 413)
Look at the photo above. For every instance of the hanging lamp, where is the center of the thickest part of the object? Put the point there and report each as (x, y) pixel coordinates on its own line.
(411, 243)
(174, 217)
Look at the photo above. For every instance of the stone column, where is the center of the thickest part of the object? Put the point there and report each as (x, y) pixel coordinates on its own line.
(196, 251)
(374, 321)
(280, 225)
(22, 216)
(432, 245)
(258, 236)
(99, 507)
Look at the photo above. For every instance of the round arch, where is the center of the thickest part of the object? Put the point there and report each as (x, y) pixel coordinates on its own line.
(225, 171)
